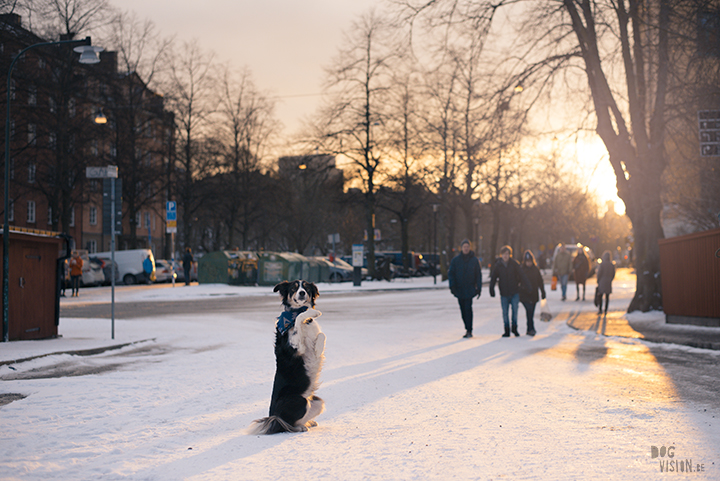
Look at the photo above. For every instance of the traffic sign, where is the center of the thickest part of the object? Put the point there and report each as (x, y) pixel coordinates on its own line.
(171, 217)
(111, 171)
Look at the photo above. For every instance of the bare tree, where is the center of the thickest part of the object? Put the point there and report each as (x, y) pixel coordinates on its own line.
(353, 122)
(247, 125)
(631, 114)
(407, 193)
(139, 125)
(68, 17)
(191, 96)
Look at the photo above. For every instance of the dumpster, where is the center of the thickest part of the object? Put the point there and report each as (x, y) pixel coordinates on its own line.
(228, 267)
(35, 266)
(274, 267)
(242, 268)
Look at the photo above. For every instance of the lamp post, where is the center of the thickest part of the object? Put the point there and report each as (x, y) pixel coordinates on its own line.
(435, 247)
(88, 55)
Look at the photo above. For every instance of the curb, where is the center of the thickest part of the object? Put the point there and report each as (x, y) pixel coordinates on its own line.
(80, 352)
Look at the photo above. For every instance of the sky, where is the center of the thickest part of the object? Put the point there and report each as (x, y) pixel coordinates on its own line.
(287, 44)
(406, 397)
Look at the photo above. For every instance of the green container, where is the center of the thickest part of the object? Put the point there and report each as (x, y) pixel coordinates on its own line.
(228, 267)
(275, 267)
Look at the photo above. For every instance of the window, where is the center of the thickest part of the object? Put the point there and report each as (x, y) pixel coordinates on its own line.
(93, 185)
(708, 33)
(71, 107)
(41, 63)
(31, 212)
(72, 217)
(11, 211)
(50, 219)
(32, 95)
(52, 140)
(92, 246)
(137, 220)
(147, 220)
(94, 147)
(12, 89)
(32, 170)
(52, 105)
(93, 215)
(32, 134)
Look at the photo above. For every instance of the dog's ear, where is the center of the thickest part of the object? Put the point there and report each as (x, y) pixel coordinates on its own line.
(312, 290)
(282, 287)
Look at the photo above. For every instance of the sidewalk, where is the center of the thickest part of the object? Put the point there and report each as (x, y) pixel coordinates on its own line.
(617, 323)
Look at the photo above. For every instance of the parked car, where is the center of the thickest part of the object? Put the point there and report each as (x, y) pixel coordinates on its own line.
(177, 266)
(130, 264)
(164, 271)
(92, 272)
(107, 270)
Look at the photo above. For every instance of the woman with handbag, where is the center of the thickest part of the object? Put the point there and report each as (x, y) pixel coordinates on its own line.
(529, 298)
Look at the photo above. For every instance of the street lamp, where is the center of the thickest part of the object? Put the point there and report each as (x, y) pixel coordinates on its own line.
(88, 55)
(435, 208)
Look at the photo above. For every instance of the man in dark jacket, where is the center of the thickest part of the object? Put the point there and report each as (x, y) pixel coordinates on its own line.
(511, 277)
(188, 264)
(465, 280)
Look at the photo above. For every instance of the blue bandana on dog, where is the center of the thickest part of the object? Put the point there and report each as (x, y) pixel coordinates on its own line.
(287, 319)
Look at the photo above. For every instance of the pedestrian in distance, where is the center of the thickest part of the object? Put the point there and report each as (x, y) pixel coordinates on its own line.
(605, 276)
(562, 266)
(465, 279)
(187, 264)
(76, 265)
(529, 298)
(511, 279)
(581, 268)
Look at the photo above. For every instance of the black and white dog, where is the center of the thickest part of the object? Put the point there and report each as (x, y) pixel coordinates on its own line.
(299, 348)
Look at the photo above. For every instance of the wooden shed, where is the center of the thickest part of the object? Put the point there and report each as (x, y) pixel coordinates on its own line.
(690, 270)
(33, 287)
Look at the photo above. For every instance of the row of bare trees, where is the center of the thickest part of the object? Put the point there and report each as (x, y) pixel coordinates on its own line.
(632, 65)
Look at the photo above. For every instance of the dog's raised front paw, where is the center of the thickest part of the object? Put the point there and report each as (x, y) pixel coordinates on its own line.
(308, 316)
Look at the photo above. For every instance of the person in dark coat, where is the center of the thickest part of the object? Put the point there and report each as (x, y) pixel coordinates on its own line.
(581, 267)
(605, 276)
(187, 264)
(507, 271)
(465, 279)
(530, 298)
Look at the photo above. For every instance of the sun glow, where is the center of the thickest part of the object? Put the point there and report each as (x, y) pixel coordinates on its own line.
(595, 168)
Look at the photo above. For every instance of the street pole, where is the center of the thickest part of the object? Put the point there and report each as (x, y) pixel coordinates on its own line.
(435, 257)
(112, 255)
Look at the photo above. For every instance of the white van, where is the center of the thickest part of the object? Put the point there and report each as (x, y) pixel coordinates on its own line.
(130, 265)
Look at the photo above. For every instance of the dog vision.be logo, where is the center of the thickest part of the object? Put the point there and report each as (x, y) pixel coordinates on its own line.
(668, 464)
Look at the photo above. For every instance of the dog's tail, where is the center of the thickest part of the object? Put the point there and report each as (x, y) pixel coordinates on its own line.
(273, 425)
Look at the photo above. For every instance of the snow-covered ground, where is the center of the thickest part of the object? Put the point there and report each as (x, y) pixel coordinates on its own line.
(406, 397)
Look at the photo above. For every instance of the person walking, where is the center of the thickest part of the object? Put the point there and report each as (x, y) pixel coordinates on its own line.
(187, 264)
(605, 276)
(562, 266)
(507, 271)
(581, 267)
(465, 279)
(529, 298)
(76, 265)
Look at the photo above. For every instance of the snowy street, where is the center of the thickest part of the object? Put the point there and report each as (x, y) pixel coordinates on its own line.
(406, 397)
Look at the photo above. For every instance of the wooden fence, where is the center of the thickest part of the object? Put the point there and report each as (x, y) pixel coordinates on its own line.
(690, 270)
